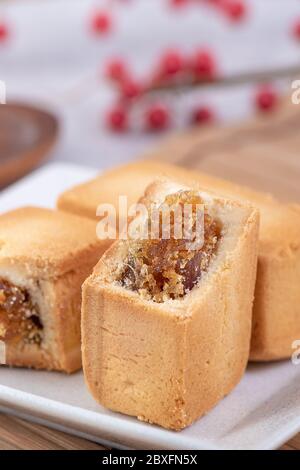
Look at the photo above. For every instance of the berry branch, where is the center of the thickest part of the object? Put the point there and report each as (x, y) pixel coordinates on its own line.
(177, 73)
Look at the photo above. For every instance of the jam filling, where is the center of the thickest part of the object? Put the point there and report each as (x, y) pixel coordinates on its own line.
(162, 269)
(19, 315)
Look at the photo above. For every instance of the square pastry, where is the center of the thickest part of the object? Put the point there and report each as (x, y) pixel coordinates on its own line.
(45, 256)
(276, 313)
(166, 323)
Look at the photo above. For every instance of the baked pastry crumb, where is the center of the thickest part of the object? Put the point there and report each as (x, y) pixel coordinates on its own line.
(19, 315)
(163, 269)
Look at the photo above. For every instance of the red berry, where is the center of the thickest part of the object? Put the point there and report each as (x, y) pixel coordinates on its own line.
(178, 3)
(101, 22)
(203, 65)
(296, 30)
(130, 89)
(235, 9)
(157, 118)
(266, 99)
(3, 32)
(171, 63)
(202, 115)
(116, 70)
(117, 119)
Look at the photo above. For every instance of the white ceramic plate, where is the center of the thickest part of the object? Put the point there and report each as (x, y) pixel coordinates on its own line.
(263, 412)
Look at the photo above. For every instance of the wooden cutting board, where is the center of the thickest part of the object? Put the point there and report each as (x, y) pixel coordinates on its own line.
(263, 153)
(26, 136)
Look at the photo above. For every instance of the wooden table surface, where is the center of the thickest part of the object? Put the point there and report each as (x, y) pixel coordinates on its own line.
(265, 154)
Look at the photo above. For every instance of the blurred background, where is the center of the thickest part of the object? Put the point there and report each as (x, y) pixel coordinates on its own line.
(120, 75)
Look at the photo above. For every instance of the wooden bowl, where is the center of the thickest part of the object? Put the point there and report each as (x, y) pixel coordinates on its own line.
(26, 136)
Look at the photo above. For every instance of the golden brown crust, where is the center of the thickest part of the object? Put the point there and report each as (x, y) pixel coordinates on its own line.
(46, 243)
(276, 312)
(170, 363)
(85, 198)
(50, 254)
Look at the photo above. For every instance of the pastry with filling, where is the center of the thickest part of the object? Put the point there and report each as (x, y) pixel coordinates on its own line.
(166, 321)
(44, 258)
(276, 313)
